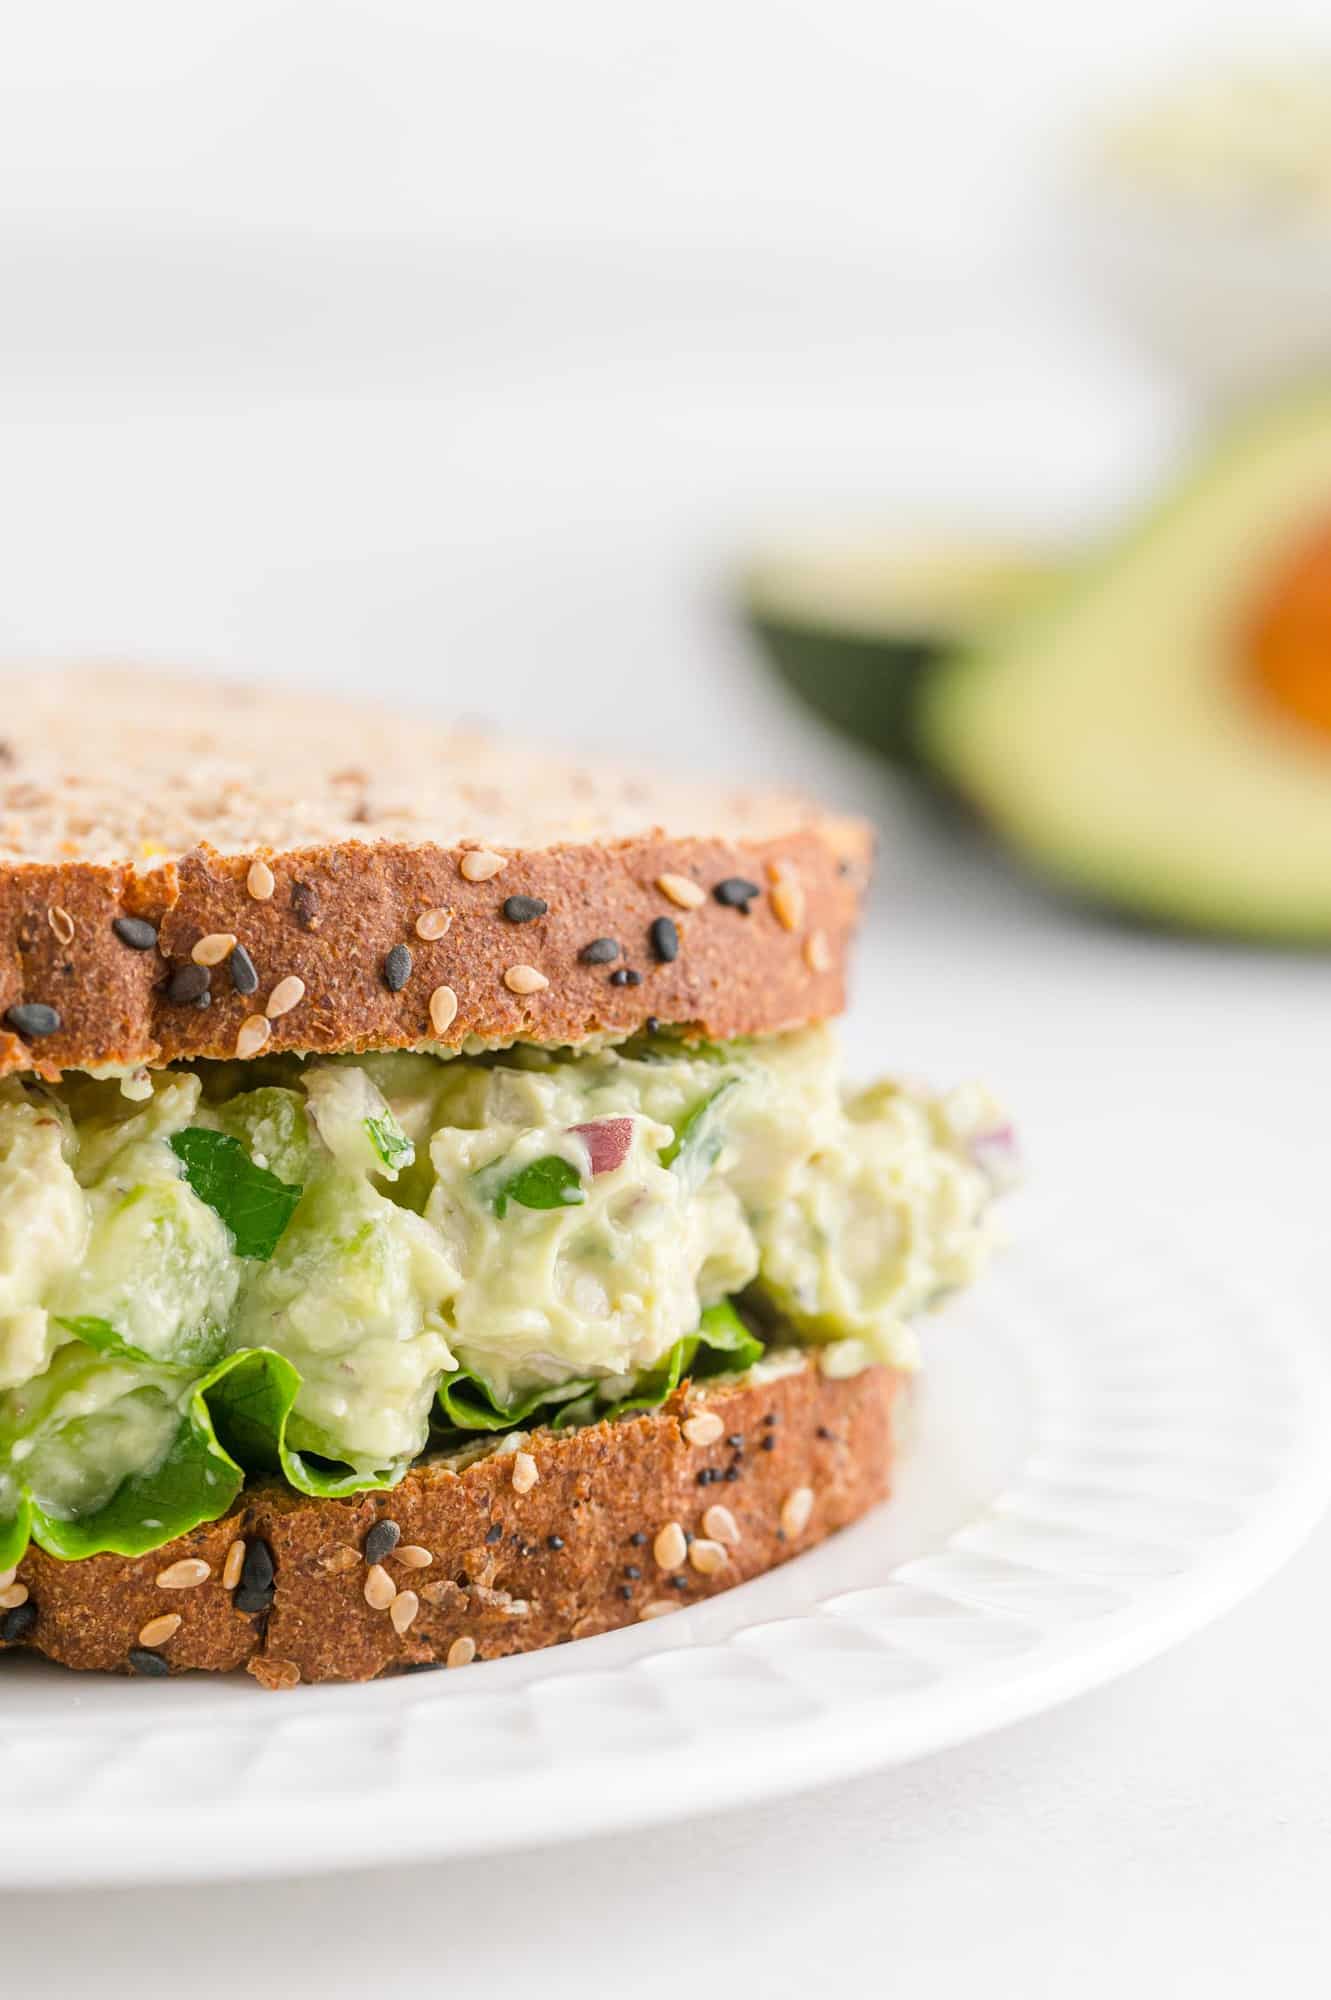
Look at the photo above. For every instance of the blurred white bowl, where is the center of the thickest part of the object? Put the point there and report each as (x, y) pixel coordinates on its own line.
(1204, 219)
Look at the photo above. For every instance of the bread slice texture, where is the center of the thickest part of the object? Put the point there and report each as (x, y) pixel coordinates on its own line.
(555, 1535)
(389, 884)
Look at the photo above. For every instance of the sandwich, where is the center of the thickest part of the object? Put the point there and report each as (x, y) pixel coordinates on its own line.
(433, 1222)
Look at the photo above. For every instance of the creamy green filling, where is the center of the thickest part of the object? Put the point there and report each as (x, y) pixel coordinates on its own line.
(313, 1267)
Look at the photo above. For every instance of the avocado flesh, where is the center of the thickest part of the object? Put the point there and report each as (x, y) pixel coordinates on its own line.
(1121, 742)
(857, 629)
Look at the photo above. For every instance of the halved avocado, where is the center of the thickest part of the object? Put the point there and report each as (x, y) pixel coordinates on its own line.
(855, 629)
(1160, 736)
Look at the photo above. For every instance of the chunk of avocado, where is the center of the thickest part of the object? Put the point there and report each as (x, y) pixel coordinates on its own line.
(856, 629)
(1159, 738)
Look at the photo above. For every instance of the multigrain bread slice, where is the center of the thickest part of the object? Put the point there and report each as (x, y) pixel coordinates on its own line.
(553, 1536)
(198, 869)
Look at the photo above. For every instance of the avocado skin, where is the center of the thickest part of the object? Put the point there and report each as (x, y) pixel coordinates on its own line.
(867, 686)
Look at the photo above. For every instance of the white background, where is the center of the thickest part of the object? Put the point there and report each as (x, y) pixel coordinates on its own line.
(460, 352)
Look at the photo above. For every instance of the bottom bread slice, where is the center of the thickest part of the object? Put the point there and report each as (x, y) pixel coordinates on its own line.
(550, 1536)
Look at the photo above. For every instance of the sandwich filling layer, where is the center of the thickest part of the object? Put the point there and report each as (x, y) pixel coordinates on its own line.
(325, 1268)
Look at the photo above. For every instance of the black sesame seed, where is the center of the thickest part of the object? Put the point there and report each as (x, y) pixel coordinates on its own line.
(624, 977)
(381, 1541)
(626, 1590)
(632, 1572)
(244, 976)
(736, 1440)
(704, 1478)
(768, 1443)
(652, 1025)
(638, 1539)
(420, 1667)
(151, 1665)
(663, 936)
(554, 1541)
(770, 1418)
(524, 909)
(188, 985)
(397, 968)
(16, 1624)
(601, 951)
(688, 1538)
(735, 893)
(731, 1474)
(823, 1431)
(33, 1019)
(494, 1533)
(679, 1583)
(254, 1592)
(134, 932)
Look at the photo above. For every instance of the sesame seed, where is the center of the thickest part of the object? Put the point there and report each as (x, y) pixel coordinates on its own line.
(554, 1541)
(626, 1591)
(403, 1610)
(33, 1019)
(632, 1571)
(412, 1556)
(62, 924)
(494, 1533)
(768, 1443)
(287, 993)
(397, 968)
(381, 1540)
(525, 979)
(254, 1032)
(708, 1557)
(683, 892)
(657, 1608)
(151, 1665)
(158, 1630)
(260, 881)
(670, 1548)
(244, 974)
(433, 924)
(638, 1538)
(770, 1418)
(624, 977)
(825, 1433)
(380, 1589)
(679, 1583)
(524, 909)
(187, 1574)
(131, 931)
(736, 893)
(796, 1509)
(736, 1440)
(462, 1651)
(478, 864)
(12, 1596)
(720, 1525)
(211, 950)
(663, 937)
(601, 951)
(443, 1008)
(704, 1428)
(16, 1624)
(188, 986)
(276, 1675)
(817, 951)
(788, 904)
(255, 1590)
(525, 1472)
(233, 1565)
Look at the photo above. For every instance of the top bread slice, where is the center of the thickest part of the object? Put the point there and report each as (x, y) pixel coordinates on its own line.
(336, 879)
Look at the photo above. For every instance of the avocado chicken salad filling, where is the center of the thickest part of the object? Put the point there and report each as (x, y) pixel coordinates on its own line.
(323, 1269)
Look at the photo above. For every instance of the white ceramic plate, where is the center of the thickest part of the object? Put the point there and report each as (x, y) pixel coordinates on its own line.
(1112, 1444)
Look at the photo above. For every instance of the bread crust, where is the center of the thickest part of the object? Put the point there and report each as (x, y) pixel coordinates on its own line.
(514, 1566)
(775, 962)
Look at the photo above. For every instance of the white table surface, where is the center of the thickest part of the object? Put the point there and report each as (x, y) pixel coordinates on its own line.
(540, 550)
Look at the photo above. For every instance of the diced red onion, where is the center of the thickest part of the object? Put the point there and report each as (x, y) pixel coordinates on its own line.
(607, 1141)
